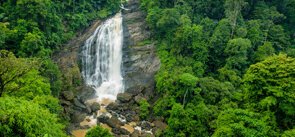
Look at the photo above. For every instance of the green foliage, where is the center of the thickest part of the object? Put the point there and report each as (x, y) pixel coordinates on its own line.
(289, 133)
(232, 11)
(264, 51)
(270, 87)
(51, 71)
(25, 118)
(12, 69)
(237, 50)
(207, 83)
(144, 107)
(240, 122)
(36, 28)
(98, 132)
(48, 102)
(184, 121)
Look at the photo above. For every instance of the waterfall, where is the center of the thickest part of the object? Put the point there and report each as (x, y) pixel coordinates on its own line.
(102, 58)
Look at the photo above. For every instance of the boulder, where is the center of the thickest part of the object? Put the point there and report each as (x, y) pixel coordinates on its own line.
(132, 117)
(79, 104)
(95, 107)
(113, 106)
(135, 90)
(65, 103)
(124, 97)
(68, 95)
(146, 125)
(114, 122)
(103, 118)
(135, 134)
(120, 131)
(77, 117)
(88, 109)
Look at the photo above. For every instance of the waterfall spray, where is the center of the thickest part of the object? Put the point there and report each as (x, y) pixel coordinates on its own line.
(102, 58)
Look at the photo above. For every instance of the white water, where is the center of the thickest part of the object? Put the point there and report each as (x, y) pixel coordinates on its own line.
(102, 57)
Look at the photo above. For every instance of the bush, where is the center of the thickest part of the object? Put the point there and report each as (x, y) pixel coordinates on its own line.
(144, 108)
(21, 118)
(98, 132)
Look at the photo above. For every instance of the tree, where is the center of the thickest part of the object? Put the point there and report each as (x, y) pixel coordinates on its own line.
(268, 16)
(32, 45)
(12, 68)
(236, 50)
(51, 71)
(25, 118)
(244, 123)
(144, 107)
(270, 86)
(28, 86)
(218, 41)
(190, 121)
(233, 10)
(213, 91)
(188, 83)
(168, 21)
(98, 132)
(264, 51)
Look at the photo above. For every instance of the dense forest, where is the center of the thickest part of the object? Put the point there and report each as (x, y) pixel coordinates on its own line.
(227, 66)
(30, 82)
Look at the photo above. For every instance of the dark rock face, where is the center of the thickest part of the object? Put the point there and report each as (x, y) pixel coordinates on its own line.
(120, 131)
(124, 97)
(140, 62)
(114, 122)
(79, 104)
(103, 119)
(77, 117)
(68, 95)
(95, 107)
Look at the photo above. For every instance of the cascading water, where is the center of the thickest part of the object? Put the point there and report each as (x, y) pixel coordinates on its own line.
(102, 57)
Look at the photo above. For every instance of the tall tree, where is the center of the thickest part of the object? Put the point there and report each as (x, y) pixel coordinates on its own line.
(12, 68)
(233, 10)
(270, 86)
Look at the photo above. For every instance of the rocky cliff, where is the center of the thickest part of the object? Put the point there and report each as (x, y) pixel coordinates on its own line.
(140, 64)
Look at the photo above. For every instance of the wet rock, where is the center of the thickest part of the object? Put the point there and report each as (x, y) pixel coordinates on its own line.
(124, 97)
(65, 103)
(135, 90)
(68, 110)
(140, 62)
(114, 122)
(95, 107)
(68, 95)
(145, 125)
(103, 118)
(79, 104)
(120, 131)
(135, 134)
(132, 116)
(86, 93)
(113, 106)
(77, 117)
(88, 109)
